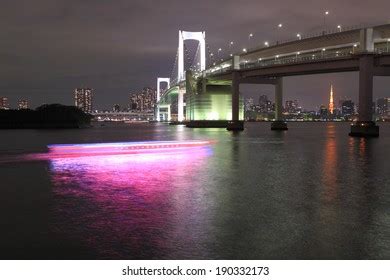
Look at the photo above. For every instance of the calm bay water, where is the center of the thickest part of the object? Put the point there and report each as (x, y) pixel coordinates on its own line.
(312, 192)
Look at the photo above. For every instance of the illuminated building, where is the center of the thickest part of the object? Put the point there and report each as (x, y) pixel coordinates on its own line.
(292, 106)
(116, 108)
(22, 104)
(143, 101)
(265, 105)
(347, 108)
(249, 104)
(83, 99)
(4, 103)
(323, 112)
(331, 103)
(383, 107)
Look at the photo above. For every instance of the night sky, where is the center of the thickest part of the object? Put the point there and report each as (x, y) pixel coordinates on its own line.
(49, 47)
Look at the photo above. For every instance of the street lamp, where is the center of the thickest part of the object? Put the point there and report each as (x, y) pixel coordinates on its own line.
(244, 50)
(322, 52)
(299, 36)
(339, 28)
(231, 45)
(266, 43)
(353, 48)
(250, 39)
(325, 14)
(387, 45)
(280, 25)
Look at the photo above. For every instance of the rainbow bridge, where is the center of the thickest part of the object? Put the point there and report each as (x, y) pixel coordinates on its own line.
(204, 96)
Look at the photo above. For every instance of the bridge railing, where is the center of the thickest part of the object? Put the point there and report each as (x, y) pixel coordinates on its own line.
(313, 56)
(310, 57)
(343, 29)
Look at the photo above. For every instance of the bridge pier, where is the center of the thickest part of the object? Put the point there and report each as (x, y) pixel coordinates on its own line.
(180, 105)
(157, 112)
(168, 112)
(365, 126)
(279, 123)
(235, 124)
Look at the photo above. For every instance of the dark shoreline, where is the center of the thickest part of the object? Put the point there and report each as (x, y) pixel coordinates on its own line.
(53, 116)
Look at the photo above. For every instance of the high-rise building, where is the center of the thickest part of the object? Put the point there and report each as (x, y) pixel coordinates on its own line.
(383, 106)
(22, 104)
(116, 108)
(291, 106)
(324, 112)
(4, 103)
(143, 101)
(347, 108)
(265, 105)
(83, 99)
(331, 103)
(249, 104)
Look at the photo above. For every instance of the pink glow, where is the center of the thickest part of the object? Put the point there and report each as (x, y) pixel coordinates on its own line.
(109, 149)
(132, 200)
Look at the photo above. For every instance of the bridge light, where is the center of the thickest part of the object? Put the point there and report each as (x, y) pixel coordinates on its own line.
(250, 35)
(388, 40)
(244, 50)
(298, 53)
(231, 55)
(280, 25)
(339, 28)
(299, 36)
(231, 43)
(325, 14)
(354, 45)
(266, 43)
(277, 56)
(323, 50)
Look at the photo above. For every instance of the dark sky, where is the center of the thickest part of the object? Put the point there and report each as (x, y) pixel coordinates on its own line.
(49, 47)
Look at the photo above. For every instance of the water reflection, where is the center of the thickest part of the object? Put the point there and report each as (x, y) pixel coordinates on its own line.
(126, 206)
(330, 164)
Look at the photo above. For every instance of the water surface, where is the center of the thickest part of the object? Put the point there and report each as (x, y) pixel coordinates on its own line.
(311, 192)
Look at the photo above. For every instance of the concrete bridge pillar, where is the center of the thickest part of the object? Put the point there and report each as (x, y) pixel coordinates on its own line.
(157, 113)
(365, 126)
(367, 40)
(169, 113)
(235, 123)
(180, 105)
(279, 123)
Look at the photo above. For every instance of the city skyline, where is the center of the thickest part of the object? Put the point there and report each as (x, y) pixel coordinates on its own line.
(84, 57)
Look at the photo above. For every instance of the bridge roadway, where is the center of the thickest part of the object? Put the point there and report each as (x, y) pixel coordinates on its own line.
(365, 50)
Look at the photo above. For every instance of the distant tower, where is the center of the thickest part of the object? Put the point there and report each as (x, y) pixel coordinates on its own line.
(331, 103)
